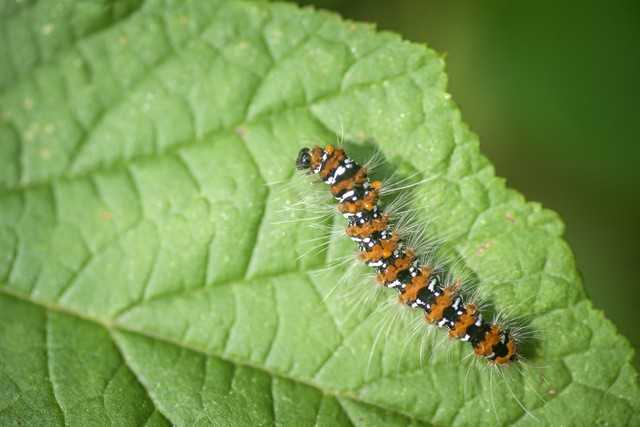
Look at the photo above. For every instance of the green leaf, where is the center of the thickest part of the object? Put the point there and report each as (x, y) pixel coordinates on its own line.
(150, 271)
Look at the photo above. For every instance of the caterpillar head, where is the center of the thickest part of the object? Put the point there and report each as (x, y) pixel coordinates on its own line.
(304, 159)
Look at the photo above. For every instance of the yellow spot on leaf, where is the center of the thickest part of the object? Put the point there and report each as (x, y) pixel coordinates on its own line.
(47, 29)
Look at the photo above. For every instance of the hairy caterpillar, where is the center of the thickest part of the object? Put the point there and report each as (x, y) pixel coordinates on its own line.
(396, 265)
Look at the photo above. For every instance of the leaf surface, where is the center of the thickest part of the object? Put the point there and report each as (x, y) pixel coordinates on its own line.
(152, 273)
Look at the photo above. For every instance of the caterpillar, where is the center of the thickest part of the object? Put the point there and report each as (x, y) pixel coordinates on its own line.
(397, 266)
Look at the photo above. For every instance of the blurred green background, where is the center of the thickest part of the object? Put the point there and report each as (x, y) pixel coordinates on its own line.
(553, 90)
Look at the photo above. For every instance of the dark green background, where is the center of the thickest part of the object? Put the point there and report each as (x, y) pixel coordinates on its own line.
(553, 91)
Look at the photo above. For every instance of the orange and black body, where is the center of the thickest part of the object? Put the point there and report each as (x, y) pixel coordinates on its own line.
(397, 267)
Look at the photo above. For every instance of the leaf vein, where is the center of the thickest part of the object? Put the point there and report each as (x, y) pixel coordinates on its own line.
(48, 345)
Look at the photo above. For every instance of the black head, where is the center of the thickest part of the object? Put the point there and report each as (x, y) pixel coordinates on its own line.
(304, 159)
